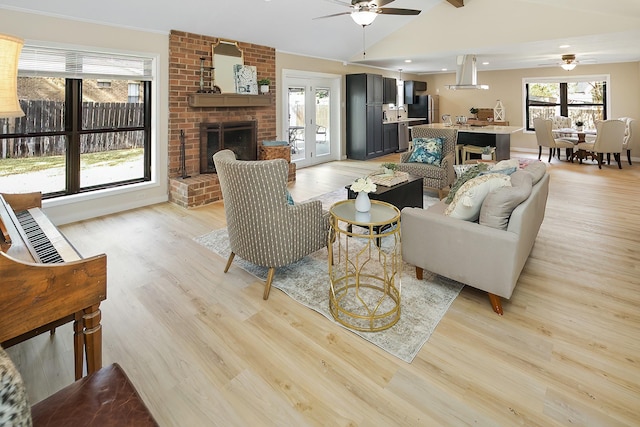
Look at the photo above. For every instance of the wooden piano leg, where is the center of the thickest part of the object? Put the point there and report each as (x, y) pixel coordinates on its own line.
(78, 344)
(93, 337)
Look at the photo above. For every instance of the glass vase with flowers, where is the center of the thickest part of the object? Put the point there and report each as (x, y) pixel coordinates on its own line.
(363, 186)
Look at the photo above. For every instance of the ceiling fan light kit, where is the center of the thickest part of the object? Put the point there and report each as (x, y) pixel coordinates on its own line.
(363, 17)
(568, 62)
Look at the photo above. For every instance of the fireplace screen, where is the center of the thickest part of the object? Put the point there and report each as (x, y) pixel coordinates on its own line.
(239, 137)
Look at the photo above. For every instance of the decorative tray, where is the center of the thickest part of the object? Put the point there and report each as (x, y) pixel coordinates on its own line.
(390, 180)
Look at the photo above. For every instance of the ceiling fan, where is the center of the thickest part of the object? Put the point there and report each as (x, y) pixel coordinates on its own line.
(569, 62)
(363, 12)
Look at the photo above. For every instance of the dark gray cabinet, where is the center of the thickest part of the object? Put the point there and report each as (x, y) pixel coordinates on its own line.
(390, 91)
(413, 88)
(364, 116)
(390, 142)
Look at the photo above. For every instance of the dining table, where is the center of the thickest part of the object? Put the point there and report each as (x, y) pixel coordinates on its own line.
(580, 133)
(581, 137)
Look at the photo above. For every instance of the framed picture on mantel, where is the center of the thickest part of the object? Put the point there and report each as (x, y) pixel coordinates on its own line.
(246, 77)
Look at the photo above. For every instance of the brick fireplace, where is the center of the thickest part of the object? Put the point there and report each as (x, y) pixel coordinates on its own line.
(186, 49)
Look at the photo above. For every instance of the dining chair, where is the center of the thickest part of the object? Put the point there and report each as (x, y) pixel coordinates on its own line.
(544, 135)
(561, 122)
(609, 140)
(631, 136)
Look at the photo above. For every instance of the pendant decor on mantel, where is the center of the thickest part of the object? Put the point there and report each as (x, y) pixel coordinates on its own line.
(498, 112)
(363, 204)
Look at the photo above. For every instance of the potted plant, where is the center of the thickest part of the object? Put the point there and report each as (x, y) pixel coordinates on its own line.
(473, 111)
(579, 125)
(389, 168)
(264, 85)
(487, 153)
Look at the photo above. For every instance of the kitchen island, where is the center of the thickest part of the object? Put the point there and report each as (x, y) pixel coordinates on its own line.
(482, 136)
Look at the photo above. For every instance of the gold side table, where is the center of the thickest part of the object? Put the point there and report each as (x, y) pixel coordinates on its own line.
(365, 263)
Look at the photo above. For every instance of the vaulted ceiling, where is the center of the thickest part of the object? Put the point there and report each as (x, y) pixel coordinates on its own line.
(506, 34)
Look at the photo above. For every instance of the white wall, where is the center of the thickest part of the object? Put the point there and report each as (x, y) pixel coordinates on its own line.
(40, 28)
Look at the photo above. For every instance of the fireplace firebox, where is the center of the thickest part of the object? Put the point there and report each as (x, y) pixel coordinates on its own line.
(239, 137)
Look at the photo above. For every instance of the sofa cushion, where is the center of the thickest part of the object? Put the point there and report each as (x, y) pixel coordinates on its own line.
(468, 200)
(500, 203)
(470, 173)
(14, 404)
(537, 170)
(427, 150)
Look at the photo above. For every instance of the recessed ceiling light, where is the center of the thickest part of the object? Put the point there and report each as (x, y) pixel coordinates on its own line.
(407, 61)
(485, 63)
(444, 69)
(564, 46)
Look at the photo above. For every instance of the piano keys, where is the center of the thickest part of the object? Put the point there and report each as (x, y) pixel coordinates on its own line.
(46, 283)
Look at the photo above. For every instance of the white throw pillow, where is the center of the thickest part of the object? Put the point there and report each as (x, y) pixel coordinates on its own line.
(468, 200)
(506, 164)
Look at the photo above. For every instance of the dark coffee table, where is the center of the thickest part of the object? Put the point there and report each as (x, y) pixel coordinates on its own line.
(405, 194)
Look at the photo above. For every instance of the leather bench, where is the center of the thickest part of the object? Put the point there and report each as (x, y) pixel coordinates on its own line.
(104, 398)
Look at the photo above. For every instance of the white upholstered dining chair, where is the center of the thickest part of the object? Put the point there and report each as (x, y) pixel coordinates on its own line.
(609, 140)
(631, 136)
(562, 122)
(544, 135)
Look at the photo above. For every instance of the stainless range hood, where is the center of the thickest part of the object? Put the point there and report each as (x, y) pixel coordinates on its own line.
(466, 74)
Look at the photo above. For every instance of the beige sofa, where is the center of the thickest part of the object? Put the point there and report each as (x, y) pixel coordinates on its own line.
(478, 255)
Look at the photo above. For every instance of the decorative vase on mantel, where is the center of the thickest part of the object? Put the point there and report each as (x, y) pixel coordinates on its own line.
(363, 204)
(264, 88)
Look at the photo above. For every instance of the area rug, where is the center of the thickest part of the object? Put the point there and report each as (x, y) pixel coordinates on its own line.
(423, 303)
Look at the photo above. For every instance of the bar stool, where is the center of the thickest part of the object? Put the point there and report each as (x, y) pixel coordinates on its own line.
(459, 160)
(474, 149)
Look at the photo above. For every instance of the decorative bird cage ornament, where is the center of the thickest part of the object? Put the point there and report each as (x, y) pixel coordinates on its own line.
(498, 112)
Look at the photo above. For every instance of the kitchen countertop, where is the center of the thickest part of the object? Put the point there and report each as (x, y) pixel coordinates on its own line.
(498, 130)
(404, 119)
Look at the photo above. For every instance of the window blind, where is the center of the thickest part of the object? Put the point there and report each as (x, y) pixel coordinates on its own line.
(38, 61)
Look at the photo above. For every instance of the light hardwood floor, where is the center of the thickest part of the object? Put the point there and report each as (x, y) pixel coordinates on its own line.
(204, 349)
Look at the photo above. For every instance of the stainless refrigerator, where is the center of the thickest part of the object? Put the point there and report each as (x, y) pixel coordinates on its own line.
(425, 106)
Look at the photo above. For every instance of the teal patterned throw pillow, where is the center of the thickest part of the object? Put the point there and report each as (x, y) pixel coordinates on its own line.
(289, 198)
(427, 150)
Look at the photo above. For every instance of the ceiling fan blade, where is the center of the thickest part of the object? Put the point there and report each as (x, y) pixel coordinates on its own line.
(331, 16)
(396, 11)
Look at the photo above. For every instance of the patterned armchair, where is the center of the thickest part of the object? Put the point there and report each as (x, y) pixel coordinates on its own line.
(263, 228)
(434, 177)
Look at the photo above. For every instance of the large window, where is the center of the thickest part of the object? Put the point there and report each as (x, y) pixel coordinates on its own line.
(582, 99)
(87, 123)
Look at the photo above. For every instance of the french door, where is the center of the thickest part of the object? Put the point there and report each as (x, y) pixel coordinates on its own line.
(311, 117)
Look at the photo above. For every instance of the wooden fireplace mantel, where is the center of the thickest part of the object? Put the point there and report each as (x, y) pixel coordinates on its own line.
(229, 100)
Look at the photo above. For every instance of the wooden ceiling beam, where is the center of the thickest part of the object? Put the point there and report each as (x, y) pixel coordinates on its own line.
(456, 3)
